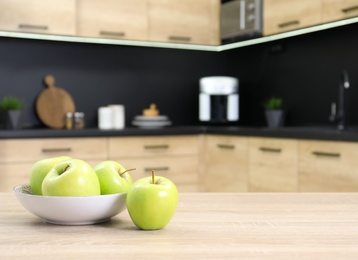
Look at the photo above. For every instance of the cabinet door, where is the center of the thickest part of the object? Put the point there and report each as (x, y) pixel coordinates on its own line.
(333, 10)
(113, 19)
(273, 165)
(185, 21)
(182, 170)
(38, 16)
(328, 166)
(225, 163)
(282, 15)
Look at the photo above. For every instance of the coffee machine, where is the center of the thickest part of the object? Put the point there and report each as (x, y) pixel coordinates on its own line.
(219, 99)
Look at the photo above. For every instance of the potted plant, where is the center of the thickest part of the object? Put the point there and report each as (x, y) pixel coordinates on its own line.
(12, 108)
(274, 112)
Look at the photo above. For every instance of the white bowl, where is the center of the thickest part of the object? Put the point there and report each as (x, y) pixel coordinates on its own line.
(71, 210)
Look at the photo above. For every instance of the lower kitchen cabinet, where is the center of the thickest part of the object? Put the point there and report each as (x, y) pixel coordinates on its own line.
(224, 164)
(18, 155)
(174, 157)
(328, 166)
(273, 165)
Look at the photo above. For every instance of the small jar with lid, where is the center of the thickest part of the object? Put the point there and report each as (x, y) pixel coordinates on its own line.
(69, 120)
(79, 120)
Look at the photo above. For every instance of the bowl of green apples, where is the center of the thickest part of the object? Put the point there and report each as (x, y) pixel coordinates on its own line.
(69, 191)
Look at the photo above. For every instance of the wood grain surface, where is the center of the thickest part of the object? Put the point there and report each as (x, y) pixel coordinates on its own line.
(205, 226)
(53, 103)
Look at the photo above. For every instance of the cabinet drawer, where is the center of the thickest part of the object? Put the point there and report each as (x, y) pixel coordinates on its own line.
(124, 147)
(328, 166)
(333, 10)
(273, 165)
(282, 15)
(113, 19)
(38, 16)
(182, 170)
(31, 150)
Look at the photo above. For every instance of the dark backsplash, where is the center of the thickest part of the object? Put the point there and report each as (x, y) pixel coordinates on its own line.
(303, 70)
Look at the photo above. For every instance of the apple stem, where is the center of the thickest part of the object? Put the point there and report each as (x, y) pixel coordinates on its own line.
(67, 166)
(153, 176)
(128, 170)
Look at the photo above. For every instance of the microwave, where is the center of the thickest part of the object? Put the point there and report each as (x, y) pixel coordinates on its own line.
(240, 20)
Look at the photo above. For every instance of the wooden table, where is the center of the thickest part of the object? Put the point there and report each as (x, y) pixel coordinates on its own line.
(205, 226)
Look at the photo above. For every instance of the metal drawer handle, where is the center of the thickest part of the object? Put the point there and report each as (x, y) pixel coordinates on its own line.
(180, 38)
(159, 146)
(56, 150)
(226, 146)
(158, 169)
(290, 23)
(108, 33)
(350, 9)
(272, 150)
(33, 26)
(318, 153)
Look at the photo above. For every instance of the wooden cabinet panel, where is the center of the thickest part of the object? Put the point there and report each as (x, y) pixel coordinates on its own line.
(282, 15)
(333, 10)
(328, 166)
(113, 19)
(273, 165)
(184, 21)
(124, 147)
(38, 16)
(31, 150)
(225, 164)
(182, 170)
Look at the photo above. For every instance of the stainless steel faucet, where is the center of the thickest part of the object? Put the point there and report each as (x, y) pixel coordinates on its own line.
(339, 116)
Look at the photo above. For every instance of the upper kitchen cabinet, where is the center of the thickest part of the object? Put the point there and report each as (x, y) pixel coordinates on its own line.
(38, 16)
(121, 19)
(333, 10)
(185, 21)
(282, 15)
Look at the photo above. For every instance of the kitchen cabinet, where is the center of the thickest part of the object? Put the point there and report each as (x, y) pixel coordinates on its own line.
(174, 157)
(282, 15)
(38, 16)
(18, 155)
(273, 165)
(328, 166)
(225, 164)
(333, 10)
(184, 21)
(113, 19)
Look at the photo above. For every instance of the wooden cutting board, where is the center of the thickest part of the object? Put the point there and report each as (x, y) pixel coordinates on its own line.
(53, 103)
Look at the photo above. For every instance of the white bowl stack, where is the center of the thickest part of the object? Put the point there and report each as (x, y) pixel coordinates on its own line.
(151, 121)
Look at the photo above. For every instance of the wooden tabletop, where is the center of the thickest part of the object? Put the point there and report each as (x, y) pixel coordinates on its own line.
(205, 226)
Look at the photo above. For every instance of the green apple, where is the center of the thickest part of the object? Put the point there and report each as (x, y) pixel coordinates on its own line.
(113, 177)
(40, 169)
(72, 177)
(152, 202)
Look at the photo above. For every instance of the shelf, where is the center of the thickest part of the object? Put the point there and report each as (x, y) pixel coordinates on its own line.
(178, 45)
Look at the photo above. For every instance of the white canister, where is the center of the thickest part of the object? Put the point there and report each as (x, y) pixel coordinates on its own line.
(118, 116)
(105, 118)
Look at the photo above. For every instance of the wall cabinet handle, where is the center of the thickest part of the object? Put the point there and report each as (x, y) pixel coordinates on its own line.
(350, 9)
(56, 150)
(179, 38)
(157, 169)
(289, 23)
(159, 146)
(109, 33)
(226, 146)
(318, 153)
(271, 150)
(33, 26)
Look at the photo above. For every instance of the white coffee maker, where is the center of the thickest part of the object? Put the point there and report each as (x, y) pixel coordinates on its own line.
(219, 99)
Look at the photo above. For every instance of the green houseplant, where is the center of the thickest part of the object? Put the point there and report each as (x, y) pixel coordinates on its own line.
(274, 112)
(12, 109)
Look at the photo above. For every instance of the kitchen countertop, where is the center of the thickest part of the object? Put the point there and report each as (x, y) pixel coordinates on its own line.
(205, 226)
(316, 133)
